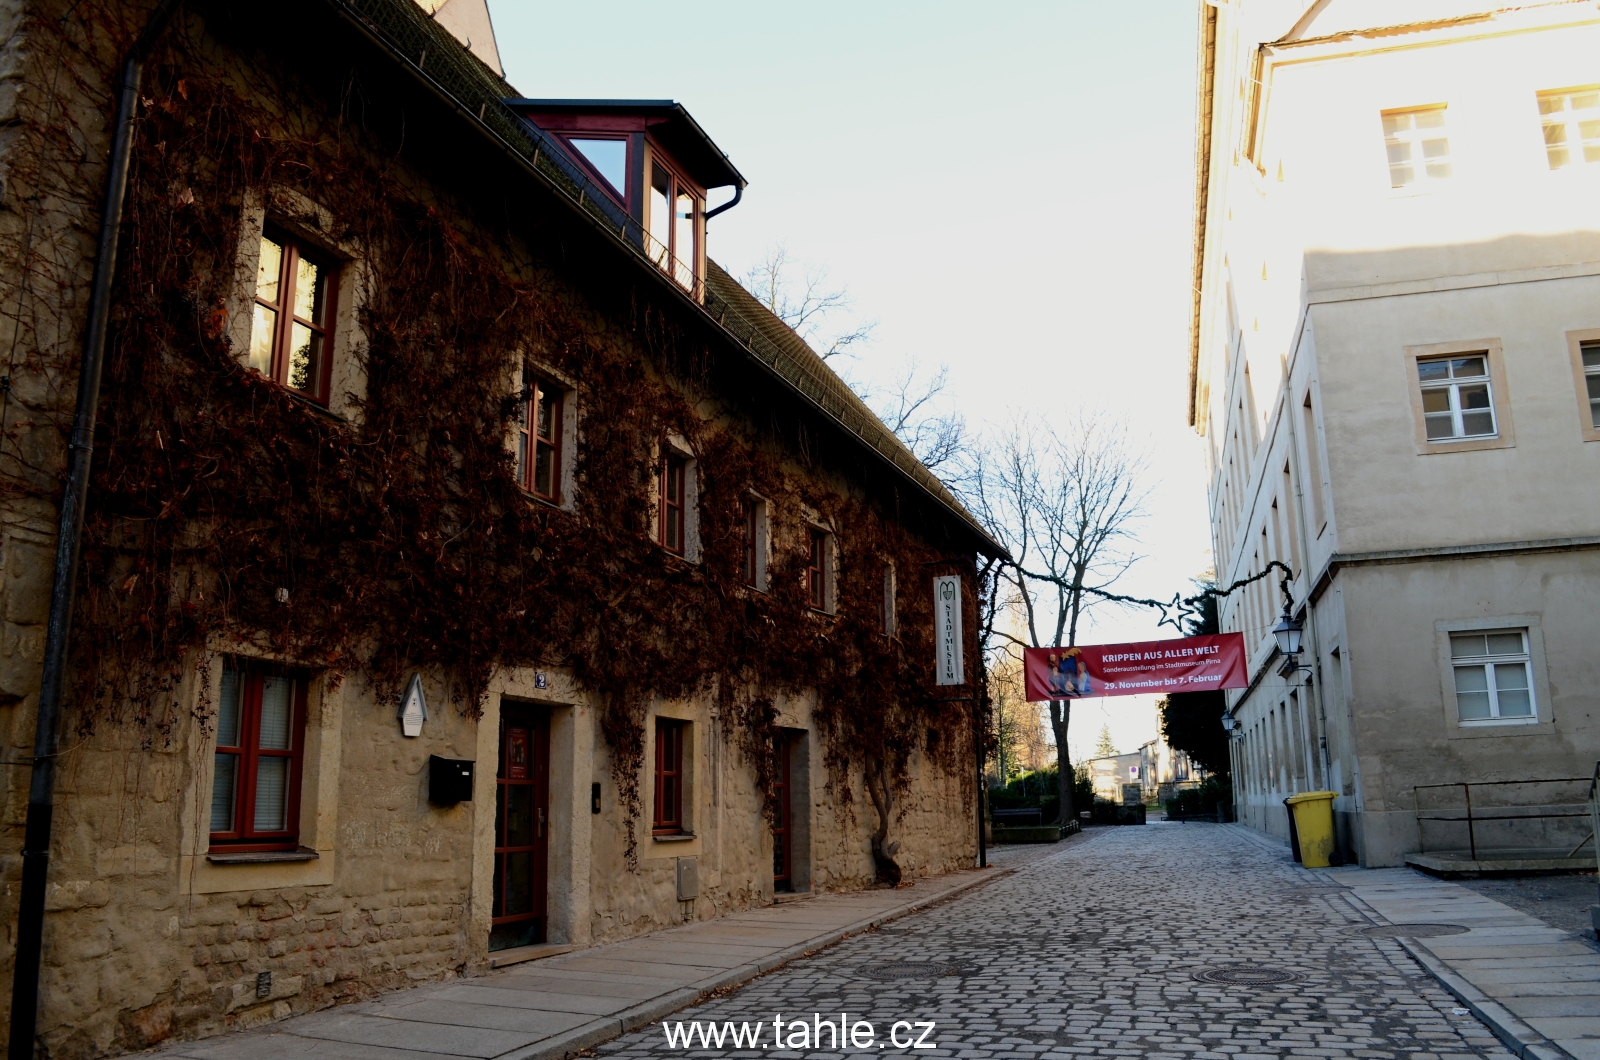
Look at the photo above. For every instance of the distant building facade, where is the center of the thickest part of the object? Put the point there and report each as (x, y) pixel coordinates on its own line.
(1158, 770)
(1396, 371)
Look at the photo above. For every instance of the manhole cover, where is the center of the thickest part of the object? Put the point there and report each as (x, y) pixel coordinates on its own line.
(910, 970)
(1248, 975)
(1409, 931)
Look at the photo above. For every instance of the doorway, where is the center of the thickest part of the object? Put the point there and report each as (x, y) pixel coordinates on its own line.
(521, 828)
(783, 824)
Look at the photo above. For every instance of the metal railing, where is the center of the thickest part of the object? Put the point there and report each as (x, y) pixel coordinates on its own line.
(1594, 814)
(1500, 804)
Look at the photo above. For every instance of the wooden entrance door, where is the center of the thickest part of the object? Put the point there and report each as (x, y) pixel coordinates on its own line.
(521, 828)
(783, 830)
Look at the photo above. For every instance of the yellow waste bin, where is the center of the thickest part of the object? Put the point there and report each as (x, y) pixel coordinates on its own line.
(1313, 822)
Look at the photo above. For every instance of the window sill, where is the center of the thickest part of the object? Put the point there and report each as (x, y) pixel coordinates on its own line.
(675, 837)
(257, 857)
(559, 504)
(1486, 723)
(320, 407)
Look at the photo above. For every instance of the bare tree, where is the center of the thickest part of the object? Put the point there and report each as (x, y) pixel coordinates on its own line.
(1063, 500)
(910, 406)
(801, 297)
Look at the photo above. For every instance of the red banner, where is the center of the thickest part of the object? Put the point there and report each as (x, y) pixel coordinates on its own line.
(1188, 664)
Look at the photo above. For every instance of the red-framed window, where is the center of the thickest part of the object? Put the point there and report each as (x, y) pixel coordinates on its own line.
(672, 238)
(750, 569)
(539, 438)
(606, 155)
(291, 333)
(668, 817)
(673, 491)
(255, 787)
(817, 569)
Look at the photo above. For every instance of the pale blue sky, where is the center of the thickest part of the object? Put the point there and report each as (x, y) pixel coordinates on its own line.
(1005, 188)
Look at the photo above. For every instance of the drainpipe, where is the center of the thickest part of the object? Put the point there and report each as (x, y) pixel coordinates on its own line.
(738, 193)
(69, 530)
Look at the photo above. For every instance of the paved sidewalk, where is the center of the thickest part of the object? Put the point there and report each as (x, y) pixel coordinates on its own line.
(557, 1006)
(1535, 984)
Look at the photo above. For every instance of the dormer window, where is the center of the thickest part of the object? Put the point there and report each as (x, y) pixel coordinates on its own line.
(673, 224)
(609, 158)
(645, 165)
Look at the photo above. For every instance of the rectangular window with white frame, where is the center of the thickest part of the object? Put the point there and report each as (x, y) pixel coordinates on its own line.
(886, 602)
(753, 543)
(1457, 397)
(677, 500)
(539, 437)
(1570, 121)
(1492, 671)
(819, 575)
(1418, 146)
(1589, 360)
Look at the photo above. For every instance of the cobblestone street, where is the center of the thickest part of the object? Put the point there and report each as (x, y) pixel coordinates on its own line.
(1092, 948)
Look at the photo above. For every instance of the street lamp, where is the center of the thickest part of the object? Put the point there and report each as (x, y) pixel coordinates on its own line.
(1287, 631)
(1228, 723)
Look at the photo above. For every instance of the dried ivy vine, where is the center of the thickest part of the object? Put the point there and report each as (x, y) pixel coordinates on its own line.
(400, 535)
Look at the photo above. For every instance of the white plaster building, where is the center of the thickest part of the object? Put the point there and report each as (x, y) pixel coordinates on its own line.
(1396, 367)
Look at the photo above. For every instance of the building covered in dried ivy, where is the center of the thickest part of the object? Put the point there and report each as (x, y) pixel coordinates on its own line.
(469, 564)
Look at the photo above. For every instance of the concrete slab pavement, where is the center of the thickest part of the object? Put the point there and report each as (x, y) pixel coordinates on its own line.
(1536, 985)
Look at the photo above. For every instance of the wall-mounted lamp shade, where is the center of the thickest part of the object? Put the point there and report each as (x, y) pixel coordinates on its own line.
(413, 708)
(609, 158)
(1287, 632)
(1228, 722)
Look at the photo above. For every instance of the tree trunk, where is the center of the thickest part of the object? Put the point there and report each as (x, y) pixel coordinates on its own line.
(878, 787)
(1060, 716)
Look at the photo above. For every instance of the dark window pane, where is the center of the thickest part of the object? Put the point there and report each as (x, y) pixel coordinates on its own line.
(277, 712)
(519, 883)
(228, 710)
(272, 794)
(308, 291)
(224, 784)
(544, 470)
(547, 413)
(305, 353)
(519, 815)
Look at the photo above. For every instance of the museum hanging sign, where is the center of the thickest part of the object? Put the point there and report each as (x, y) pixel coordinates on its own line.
(1188, 664)
(951, 662)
